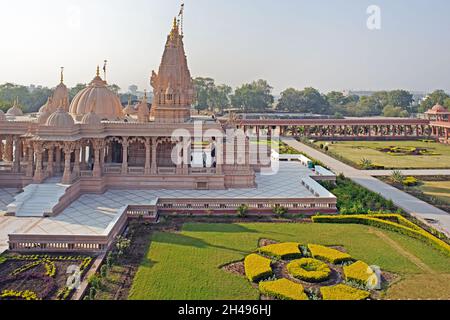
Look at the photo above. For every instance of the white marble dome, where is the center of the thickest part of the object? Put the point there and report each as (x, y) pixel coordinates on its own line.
(99, 99)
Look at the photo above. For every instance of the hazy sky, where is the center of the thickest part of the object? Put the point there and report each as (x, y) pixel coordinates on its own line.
(322, 43)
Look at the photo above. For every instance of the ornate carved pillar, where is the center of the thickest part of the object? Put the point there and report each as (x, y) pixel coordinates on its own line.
(97, 145)
(17, 154)
(67, 175)
(29, 172)
(219, 155)
(8, 156)
(125, 145)
(1, 148)
(38, 174)
(154, 166)
(50, 161)
(58, 159)
(76, 165)
(147, 168)
(83, 156)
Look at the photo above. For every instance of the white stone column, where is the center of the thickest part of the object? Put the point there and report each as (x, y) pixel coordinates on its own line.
(154, 166)
(147, 168)
(125, 145)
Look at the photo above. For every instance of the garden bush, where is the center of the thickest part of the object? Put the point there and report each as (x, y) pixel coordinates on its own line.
(410, 182)
(285, 250)
(283, 289)
(402, 227)
(310, 270)
(359, 272)
(257, 267)
(328, 254)
(18, 295)
(343, 292)
(355, 199)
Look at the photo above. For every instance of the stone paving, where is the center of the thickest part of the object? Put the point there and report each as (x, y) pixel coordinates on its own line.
(429, 214)
(92, 213)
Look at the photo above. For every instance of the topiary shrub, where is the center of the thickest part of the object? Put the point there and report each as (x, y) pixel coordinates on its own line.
(343, 292)
(310, 270)
(283, 289)
(285, 250)
(328, 254)
(257, 267)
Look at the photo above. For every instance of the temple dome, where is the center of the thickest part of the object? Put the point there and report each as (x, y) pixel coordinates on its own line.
(129, 109)
(60, 95)
(14, 110)
(2, 116)
(46, 106)
(60, 119)
(91, 119)
(99, 99)
(43, 115)
(143, 112)
(438, 108)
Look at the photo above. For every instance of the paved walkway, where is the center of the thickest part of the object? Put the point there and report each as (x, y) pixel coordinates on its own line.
(412, 172)
(427, 213)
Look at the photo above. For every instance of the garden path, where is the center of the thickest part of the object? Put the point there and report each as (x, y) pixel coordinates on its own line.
(423, 211)
(397, 247)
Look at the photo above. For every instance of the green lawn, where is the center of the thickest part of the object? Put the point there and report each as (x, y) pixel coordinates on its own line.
(437, 189)
(186, 265)
(354, 151)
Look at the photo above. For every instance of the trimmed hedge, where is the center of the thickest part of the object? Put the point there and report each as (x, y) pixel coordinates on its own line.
(403, 226)
(343, 292)
(283, 289)
(310, 270)
(328, 254)
(285, 250)
(359, 272)
(257, 267)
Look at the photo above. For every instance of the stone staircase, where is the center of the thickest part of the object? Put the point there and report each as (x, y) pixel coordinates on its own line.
(37, 200)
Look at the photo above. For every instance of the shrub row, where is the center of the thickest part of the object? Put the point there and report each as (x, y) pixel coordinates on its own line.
(359, 272)
(376, 221)
(24, 295)
(283, 289)
(343, 292)
(310, 270)
(257, 267)
(285, 250)
(328, 254)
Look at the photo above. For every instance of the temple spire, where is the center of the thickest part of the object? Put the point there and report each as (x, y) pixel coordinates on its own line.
(62, 74)
(98, 71)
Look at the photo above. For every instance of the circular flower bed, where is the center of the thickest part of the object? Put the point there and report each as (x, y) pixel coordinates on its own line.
(310, 270)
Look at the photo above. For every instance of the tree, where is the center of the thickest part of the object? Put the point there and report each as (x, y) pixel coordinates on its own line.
(253, 97)
(308, 100)
(203, 88)
(436, 97)
(395, 112)
(221, 97)
(114, 88)
(367, 106)
(242, 210)
(74, 91)
(400, 98)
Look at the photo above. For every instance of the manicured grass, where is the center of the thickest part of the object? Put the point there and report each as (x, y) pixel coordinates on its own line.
(437, 189)
(186, 265)
(354, 151)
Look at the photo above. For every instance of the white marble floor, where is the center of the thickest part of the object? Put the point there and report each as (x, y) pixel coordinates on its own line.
(91, 213)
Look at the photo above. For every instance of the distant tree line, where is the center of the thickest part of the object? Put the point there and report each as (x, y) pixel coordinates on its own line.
(30, 100)
(257, 97)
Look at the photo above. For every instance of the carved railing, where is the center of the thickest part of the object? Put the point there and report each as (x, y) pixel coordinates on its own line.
(202, 171)
(167, 170)
(69, 243)
(86, 174)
